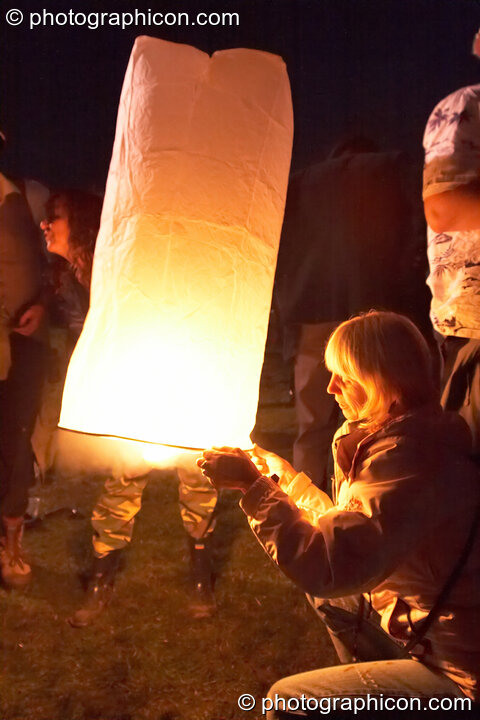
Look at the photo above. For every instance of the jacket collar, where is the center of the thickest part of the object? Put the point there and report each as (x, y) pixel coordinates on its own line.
(351, 437)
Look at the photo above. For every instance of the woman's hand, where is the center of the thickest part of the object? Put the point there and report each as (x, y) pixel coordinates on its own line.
(228, 468)
(269, 464)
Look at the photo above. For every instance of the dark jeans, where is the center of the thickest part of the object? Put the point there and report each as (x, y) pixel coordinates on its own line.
(20, 396)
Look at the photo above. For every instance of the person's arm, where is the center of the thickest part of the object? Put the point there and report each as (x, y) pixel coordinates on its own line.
(298, 486)
(352, 547)
(348, 548)
(233, 469)
(34, 316)
(454, 210)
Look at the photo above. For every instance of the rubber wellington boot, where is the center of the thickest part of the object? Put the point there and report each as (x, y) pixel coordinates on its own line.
(99, 591)
(16, 572)
(202, 602)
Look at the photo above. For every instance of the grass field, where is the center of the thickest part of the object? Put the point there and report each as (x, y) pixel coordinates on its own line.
(145, 659)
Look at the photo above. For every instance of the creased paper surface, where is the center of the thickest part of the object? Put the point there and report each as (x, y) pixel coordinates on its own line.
(173, 344)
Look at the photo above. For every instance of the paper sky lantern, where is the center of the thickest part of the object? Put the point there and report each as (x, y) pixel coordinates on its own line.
(173, 344)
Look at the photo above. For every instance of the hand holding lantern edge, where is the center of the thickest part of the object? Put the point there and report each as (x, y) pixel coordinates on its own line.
(271, 464)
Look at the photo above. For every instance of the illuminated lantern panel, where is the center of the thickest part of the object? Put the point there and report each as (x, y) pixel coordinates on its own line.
(173, 344)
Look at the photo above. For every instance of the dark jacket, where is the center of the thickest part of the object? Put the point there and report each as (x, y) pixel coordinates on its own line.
(405, 498)
(347, 242)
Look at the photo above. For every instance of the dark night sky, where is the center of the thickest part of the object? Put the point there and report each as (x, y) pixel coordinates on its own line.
(378, 66)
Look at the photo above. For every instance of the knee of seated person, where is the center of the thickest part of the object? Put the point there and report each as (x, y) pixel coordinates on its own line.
(287, 695)
(276, 699)
(282, 690)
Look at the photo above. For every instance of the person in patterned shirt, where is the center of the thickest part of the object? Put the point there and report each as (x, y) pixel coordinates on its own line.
(451, 194)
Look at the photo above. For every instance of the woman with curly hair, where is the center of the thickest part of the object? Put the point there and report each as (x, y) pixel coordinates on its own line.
(70, 228)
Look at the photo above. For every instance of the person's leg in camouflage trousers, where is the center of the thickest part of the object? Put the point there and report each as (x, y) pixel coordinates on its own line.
(113, 519)
(198, 499)
(114, 514)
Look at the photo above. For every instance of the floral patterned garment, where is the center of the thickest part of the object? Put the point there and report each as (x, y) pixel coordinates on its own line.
(452, 158)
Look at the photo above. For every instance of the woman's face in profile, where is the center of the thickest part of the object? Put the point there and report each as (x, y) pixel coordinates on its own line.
(56, 229)
(349, 394)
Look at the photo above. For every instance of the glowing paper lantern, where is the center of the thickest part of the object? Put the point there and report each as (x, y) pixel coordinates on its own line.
(173, 344)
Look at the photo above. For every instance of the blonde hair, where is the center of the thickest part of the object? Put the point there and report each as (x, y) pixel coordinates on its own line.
(387, 355)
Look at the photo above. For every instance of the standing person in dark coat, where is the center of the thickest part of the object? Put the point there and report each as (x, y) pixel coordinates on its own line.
(347, 246)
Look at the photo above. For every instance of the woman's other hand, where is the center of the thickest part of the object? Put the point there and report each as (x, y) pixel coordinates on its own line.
(270, 464)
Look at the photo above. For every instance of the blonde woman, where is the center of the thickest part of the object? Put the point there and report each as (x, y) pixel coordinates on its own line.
(377, 558)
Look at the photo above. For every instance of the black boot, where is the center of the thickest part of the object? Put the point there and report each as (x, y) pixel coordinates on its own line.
(202, 603)
(99, 591)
